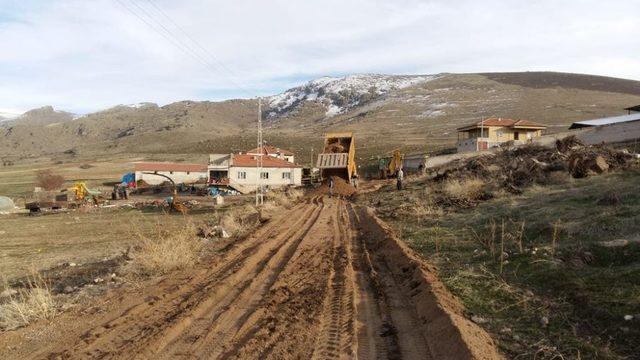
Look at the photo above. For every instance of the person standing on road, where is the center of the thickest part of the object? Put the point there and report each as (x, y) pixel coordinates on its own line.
(399, 179)
(331, 186)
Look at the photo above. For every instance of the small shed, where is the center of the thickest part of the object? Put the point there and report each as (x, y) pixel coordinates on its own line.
(414, 163)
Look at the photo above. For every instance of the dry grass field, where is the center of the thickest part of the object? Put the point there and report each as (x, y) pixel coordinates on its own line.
(78, 236)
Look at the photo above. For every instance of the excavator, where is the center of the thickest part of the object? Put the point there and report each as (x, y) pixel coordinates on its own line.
(174, 204)
(83, 193)
(389, 166)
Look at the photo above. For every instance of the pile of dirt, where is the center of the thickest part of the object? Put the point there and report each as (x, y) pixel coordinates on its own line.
(516, 168)
(340, 188)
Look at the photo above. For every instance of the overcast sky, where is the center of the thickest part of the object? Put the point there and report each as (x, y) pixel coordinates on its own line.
(87, 55)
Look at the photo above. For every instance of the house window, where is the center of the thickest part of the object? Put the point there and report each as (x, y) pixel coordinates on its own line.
(264, 175)
(170, 172)
(242, 175)
(187, 173)
(286, 175)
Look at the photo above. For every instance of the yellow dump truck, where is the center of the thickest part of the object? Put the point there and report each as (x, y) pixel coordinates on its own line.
(338, 156)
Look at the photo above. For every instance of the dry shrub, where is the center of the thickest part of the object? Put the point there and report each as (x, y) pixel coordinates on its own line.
(464, 189)
(239, 220)
(284, 198)
(47, 180)
(35, 302)
(558, 178)
(162, 251)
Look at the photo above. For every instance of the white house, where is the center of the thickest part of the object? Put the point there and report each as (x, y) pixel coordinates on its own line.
(178, 172)
(274, 152)
(276, 172)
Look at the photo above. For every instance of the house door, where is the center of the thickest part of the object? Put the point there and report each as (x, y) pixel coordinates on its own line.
(516, 135)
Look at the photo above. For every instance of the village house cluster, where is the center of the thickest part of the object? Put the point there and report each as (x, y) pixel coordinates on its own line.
(240, 171)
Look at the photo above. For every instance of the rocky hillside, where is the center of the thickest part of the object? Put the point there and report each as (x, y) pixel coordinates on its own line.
(412, 112)
(339, 95)
(43, 116)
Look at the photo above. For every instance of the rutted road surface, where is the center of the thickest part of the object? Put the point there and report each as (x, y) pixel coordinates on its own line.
(324, 280)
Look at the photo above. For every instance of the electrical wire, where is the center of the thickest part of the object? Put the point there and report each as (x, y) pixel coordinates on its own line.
(192, 39)
(163, 31)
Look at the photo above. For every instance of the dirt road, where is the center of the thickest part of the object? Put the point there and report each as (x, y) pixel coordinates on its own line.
(325, 280)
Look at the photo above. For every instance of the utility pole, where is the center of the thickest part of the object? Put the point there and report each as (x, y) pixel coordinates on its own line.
(311, 162)
(259, 190)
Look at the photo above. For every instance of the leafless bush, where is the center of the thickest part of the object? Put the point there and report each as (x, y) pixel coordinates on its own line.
(160, 251)
(32, 303)
(285, 198)
(464, 189)
(239, 220)
(47, 180)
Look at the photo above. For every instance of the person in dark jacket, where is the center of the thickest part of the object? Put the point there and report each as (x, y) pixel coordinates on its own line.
(331, 186)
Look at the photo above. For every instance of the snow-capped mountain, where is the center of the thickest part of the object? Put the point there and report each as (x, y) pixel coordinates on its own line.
(340, 94)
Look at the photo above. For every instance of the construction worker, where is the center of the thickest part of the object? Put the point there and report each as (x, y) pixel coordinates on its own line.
(399, 179)
(331, 186)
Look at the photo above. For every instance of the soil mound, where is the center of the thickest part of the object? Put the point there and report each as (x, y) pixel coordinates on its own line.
(519, 167)
(341, 188)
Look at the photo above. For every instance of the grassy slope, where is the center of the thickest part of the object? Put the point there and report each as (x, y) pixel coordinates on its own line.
(419, 118)
(582, 288)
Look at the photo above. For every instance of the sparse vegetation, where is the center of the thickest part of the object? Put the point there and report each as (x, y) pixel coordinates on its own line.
(34, 302)
(47, 180)
(162, 250)
(464, 189)
(545, 271)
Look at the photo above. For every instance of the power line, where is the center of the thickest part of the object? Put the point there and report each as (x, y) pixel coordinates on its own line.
(163, 31)
(193, 40)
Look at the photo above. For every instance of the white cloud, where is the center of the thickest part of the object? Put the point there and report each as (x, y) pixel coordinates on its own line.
(86, 55)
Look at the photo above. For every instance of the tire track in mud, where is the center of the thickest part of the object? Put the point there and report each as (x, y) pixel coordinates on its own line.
(124, 332)
(335, 338)
(230, 317)
(325, 280)
(376, 340)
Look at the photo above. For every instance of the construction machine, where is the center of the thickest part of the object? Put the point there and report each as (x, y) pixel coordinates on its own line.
(174, 204)
(389, 166)
(338, 157)
(84, 194)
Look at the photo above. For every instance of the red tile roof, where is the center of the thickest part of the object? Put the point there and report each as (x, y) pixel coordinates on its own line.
(270, 149)
(246, 160)
(503, 122)
(164, 166)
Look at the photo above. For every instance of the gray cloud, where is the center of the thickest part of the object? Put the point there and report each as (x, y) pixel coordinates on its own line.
(86, 55)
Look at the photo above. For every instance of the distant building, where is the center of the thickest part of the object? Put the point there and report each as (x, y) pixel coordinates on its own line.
(240, 170)
(275, 172)
(274, 152)
(178, 172)
(414, 163)
(632, 117)
(493, 132)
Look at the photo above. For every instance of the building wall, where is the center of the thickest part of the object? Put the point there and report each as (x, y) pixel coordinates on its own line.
(275, 176)
(494, 136)
(414, 163)
(177, 176)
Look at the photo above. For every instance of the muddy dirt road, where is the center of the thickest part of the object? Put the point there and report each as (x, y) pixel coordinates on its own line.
(325, 280)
